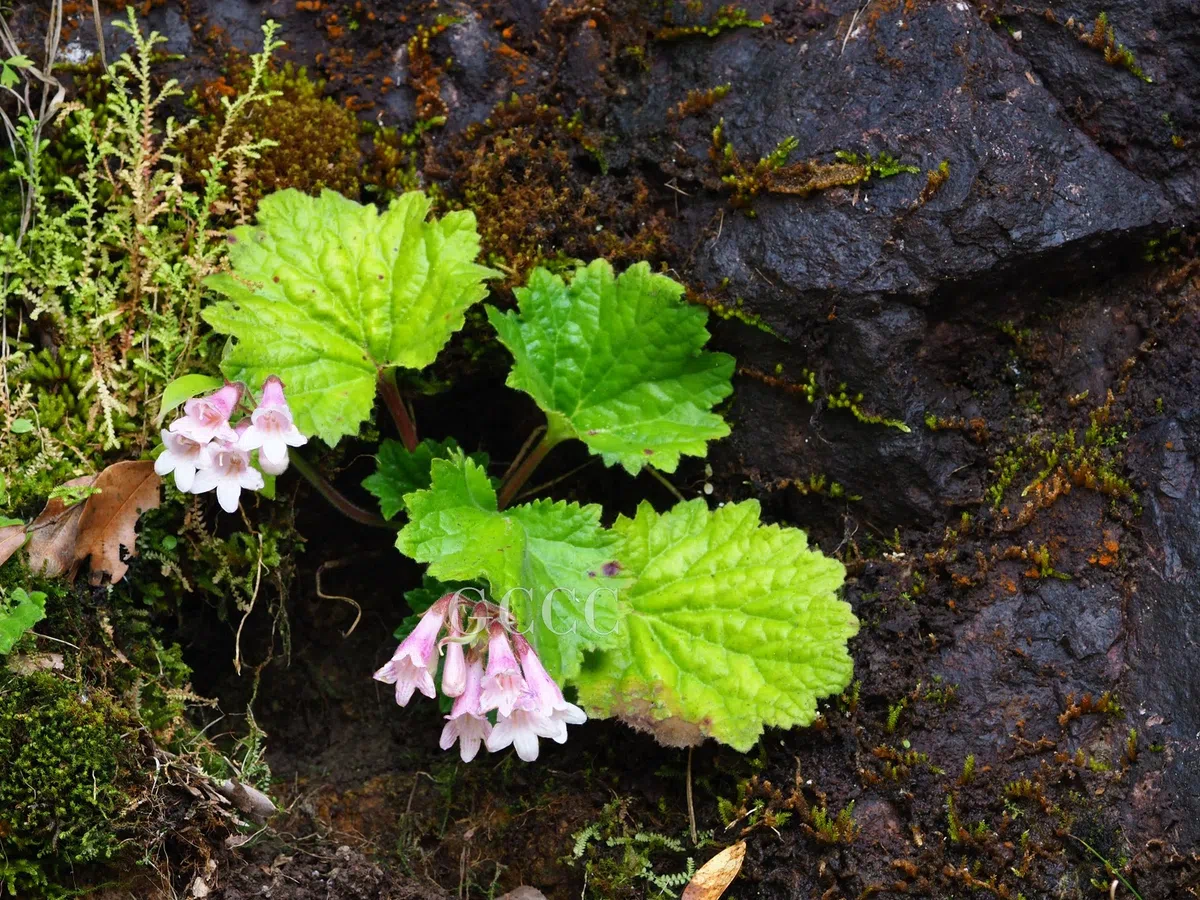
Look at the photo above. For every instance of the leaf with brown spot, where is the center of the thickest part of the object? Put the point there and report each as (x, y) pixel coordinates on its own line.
(53, 533)
(717, 874)
(109, 519)
(12, 539)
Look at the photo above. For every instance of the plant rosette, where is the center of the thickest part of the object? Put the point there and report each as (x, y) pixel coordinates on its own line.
(691, 623)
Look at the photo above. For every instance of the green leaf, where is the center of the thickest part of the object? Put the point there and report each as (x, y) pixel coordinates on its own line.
(618, 363)
(340, 292)
(182, 389)
(399, 472)
(268, 488)
(18, 614)
(6, 521)
(554, 557)
(8, 75)
(729, 626)
(21, 426)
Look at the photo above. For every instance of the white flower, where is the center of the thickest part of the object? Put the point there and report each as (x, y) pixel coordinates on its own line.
(522, 729)
(271, 429)
(226, 468)
(181, 455)
(269, 468)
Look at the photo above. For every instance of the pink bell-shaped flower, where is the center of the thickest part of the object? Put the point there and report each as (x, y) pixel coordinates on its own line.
(411, 666)
(503, 685)
(271, 429)
(467, 722)
(547, 696)
(521, 728)
(207, 418)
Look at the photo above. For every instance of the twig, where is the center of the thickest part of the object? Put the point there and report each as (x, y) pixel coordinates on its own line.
(99, 33)
(337, 564)
(850, 28)
(546, 485)
(237, 641)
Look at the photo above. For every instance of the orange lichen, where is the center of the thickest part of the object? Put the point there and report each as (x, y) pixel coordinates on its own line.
(1108, 554)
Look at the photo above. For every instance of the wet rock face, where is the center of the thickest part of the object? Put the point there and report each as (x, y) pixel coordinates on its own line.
(1060, 165)
(1028, 175)
(1164, 614)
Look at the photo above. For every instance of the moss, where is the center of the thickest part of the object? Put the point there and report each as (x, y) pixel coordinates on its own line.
(390, 167)
(727, 18)
(1087, 458)
(1101, 37)
(316, 138)
(813, 393)
(67, 774)
(731, 310)
(621, 859)
(698, 101)
(424, 72)
(934, 179)
(529, 174)
(773, 174)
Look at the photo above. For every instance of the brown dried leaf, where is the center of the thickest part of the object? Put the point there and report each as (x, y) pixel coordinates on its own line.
(12, 539)
(717, 874)
(109, 519)
(27, 664)
(53, 533)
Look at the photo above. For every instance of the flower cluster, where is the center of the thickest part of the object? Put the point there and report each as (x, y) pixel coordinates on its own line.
(206, 452)
(489, 668)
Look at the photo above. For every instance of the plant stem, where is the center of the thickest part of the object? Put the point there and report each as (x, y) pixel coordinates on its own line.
(395, 404)
(334, 496)
(517, 477)
(691, 806)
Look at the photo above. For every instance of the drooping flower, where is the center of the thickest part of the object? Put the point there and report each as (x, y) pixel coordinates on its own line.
(411, 666)
(454, 670)
(181, 455)
(547, 696)
(207, 418)
(467, 723)
(226, 468)
(522, 728)
(503, 685)
(271, 429)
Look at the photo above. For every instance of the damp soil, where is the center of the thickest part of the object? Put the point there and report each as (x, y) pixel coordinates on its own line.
(1024, 558)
